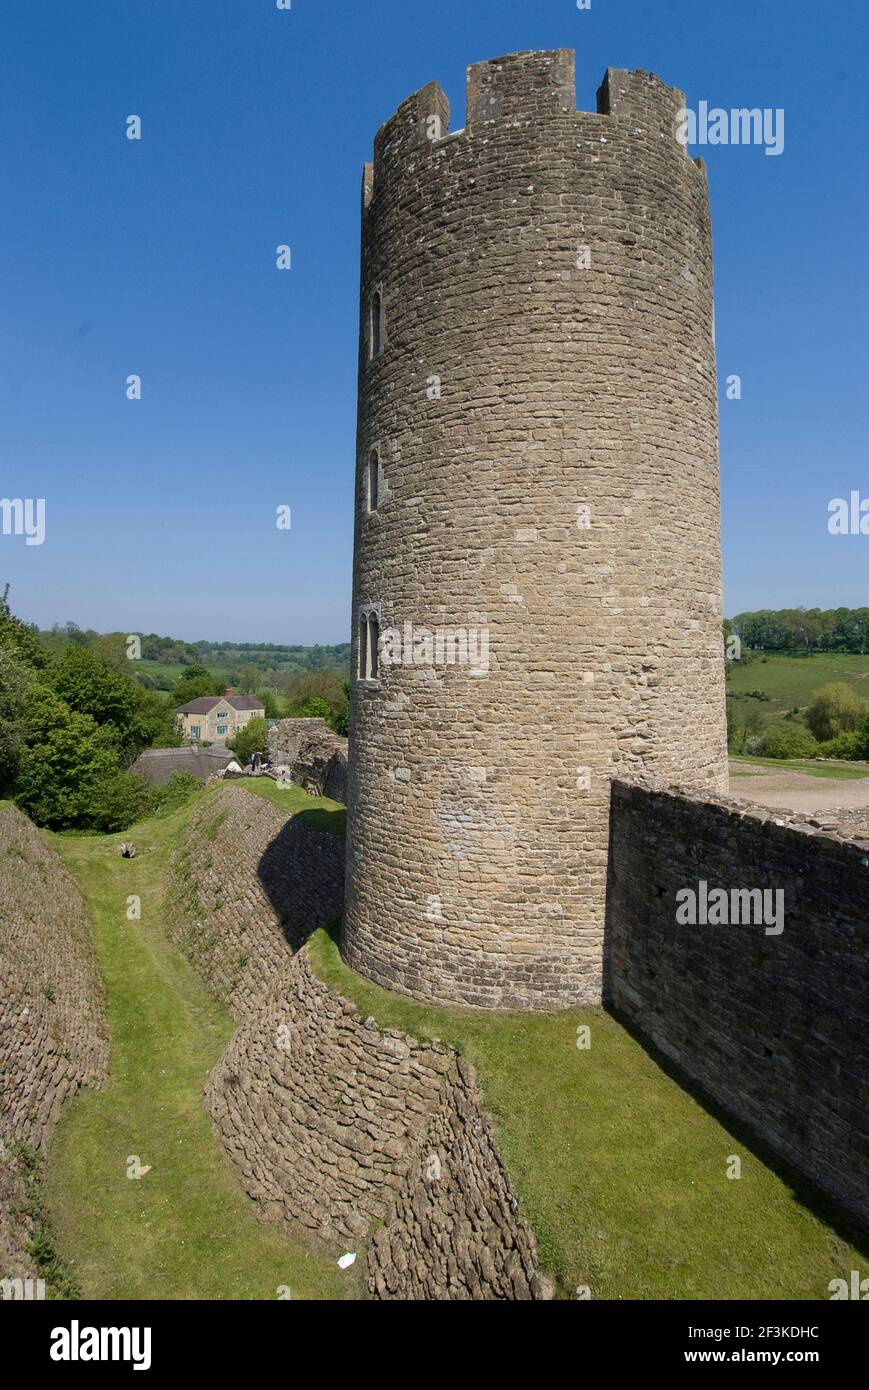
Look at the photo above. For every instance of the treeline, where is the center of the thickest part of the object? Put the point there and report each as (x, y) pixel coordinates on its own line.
(170, 651)
(802, 631)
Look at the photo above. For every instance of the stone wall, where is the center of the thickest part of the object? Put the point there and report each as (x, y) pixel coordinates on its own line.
(53, 1030)
(542, 416)
(337, 1128)
(315, 755)
(775, 1028)
(246, 887)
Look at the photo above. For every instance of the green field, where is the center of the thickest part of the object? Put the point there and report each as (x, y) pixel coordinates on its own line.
(791, 681)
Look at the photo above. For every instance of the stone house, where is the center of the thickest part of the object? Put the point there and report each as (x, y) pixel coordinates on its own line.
(215, 718)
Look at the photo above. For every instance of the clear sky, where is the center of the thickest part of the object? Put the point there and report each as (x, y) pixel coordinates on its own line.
(157, 257)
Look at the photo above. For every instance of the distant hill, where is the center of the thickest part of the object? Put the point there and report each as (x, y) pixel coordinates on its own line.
(164, 658)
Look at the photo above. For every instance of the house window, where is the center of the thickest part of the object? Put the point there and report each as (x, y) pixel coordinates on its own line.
(222, 729)
(369, 639)
(194, 730)
(375, 336)
(371, 481)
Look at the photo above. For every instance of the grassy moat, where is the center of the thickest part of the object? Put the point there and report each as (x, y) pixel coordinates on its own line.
(622, 1174)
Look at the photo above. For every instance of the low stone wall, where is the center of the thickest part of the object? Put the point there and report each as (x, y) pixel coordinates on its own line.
(336, 1127)
(315, 755)
(53, 1030)
(774, 1027)
(246, 887)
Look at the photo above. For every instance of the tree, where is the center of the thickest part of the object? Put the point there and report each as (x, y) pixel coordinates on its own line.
(117, 800)
(60, 776)
(16, 684)
(196, 682)
(250, 739)
(23, 639)
(90, 687)
(835, 709)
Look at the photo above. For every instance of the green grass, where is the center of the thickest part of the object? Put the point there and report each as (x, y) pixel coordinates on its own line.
(620, 1171)
(791, 681)
(185, 1230)
(841, 771)
(318, 812)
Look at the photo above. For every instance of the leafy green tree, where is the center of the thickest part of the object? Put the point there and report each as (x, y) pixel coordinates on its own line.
(196, 682)
(835, 709)
(316, 708)
(117, 800)
(269, 698)
(21, 638)
(91, 687)
(16, 684)
(250, 739)
(788, 741)
(60, 775)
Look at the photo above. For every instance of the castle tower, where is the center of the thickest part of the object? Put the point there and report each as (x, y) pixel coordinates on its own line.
(537, 478)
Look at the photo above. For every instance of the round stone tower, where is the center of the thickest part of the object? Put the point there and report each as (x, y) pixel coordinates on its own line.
(537, 566)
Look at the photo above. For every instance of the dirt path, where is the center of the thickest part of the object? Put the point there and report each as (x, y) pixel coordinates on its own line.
(799, 791)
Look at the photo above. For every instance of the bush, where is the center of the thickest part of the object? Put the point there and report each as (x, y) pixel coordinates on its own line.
(835, 709)
(117, 801)
(842, 746)
(175, 791)
(250, 739)
(787, 741)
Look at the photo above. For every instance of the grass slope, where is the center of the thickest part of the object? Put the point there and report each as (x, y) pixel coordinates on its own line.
(791, 681)
(185, 1230)
(621, 1172)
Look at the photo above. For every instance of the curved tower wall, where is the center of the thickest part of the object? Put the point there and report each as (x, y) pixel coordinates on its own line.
(538, 437)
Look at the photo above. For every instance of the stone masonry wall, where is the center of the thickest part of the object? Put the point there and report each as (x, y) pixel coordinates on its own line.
(53, 1030)
(246, 887)
(541, 413)
(332, 1123)
(775, 1028)
(315, 755)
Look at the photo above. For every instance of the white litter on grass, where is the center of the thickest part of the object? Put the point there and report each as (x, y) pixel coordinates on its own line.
(346, 1261)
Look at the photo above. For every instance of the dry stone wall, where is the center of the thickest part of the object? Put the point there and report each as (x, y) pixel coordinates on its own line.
(247, 886)
(53, 1030)
(336, 1127)
(539, 404)
(774, 1027)
(315, 755)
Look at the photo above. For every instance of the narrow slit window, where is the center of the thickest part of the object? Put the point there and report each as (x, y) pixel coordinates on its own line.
(371, 490)
(376, 323)
(369, 640)
(374, 642)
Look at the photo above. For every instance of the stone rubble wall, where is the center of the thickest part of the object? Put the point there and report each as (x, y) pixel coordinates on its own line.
(246, 887)
(774, 1028)
(315, 755)
(331, 1122)
(53, 1029)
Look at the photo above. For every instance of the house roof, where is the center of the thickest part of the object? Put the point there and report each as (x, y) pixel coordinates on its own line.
(206, 703)
(156, 764)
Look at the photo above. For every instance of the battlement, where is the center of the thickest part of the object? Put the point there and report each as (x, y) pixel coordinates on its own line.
(527, 88)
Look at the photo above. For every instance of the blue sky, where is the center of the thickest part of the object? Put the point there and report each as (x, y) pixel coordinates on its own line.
(157, 257)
